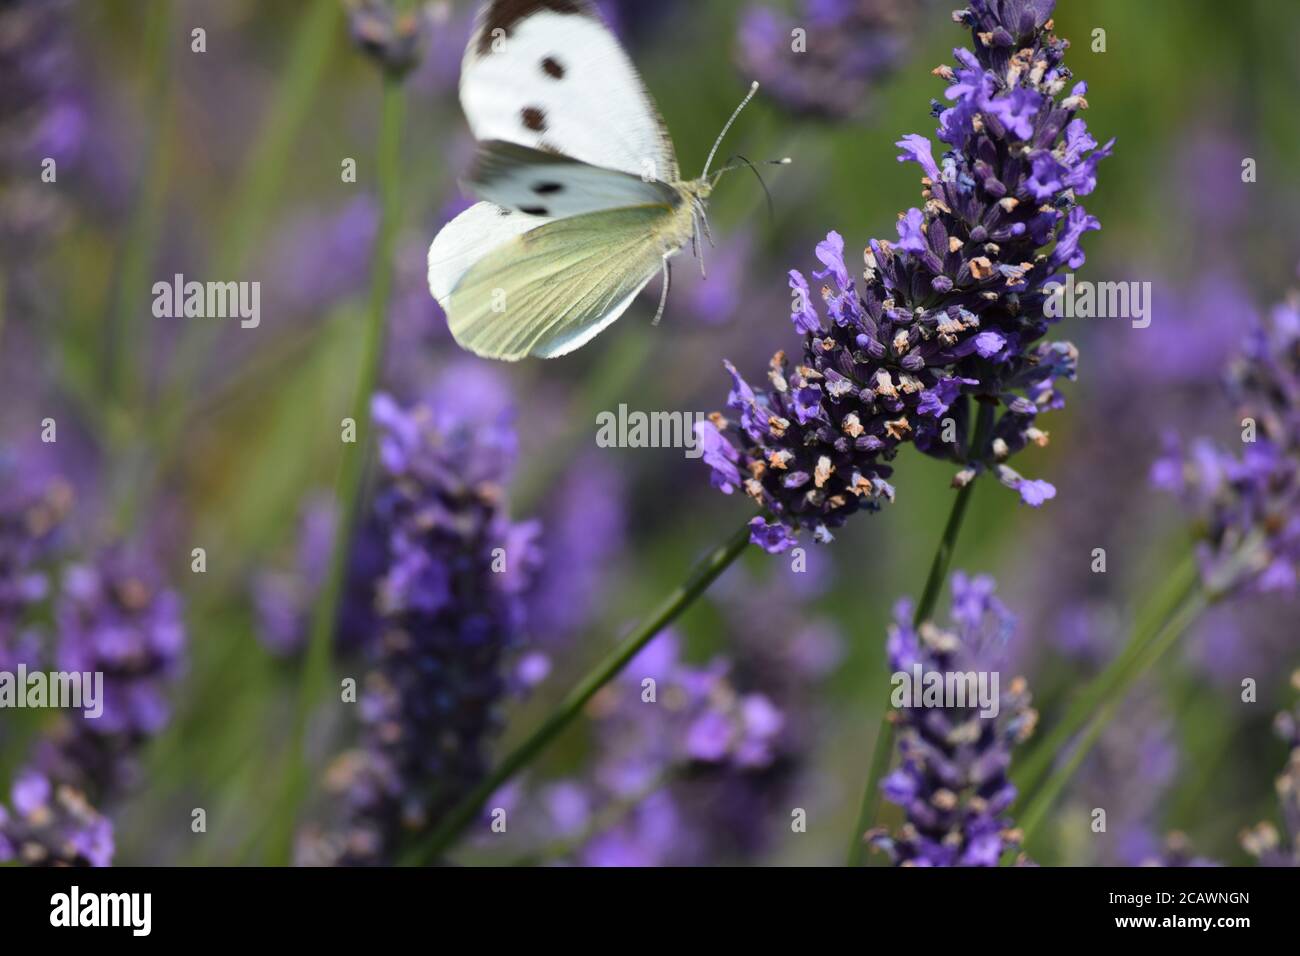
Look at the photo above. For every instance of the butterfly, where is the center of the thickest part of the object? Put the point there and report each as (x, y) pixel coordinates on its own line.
(582, 199)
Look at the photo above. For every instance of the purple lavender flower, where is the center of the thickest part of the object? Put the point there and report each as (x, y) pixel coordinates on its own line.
(449, 610)
(1129, 774)
(283, 599)
(1175, 850)
(393, 37)
(116, 617)
(448, 30)
(40, 117)
(688, 778)
(325, 256)
(847, 47)
(585, 532)
(1247, 503)
(1264, 842)
(52, 825)
(955, 309)
(952, 783)
(29, 520)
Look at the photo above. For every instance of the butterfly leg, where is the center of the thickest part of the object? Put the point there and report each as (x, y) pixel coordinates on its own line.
(663, 296)
(695, 244)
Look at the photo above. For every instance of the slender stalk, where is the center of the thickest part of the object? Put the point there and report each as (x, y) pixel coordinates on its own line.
(883, 749)
(1176, 589)
(121, 393)
(1165, 637)
(316, 668)
(884, 746)
(702, 575)
(254, 195)
(248, 210)
(146, 217)
(1182, 599)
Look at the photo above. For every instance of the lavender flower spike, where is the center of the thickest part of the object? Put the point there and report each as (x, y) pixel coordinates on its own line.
(955, 309)
(52, 825)
(1263, 841)
(829, 69)
(953, 783)
(449, 609)
(117, 617)
(1247, 502)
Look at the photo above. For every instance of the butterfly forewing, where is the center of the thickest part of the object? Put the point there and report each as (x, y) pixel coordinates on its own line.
(544, 184)
(549, 74)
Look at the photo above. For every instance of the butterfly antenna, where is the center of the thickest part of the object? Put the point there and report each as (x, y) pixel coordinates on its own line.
(743, 103)
(771, 211)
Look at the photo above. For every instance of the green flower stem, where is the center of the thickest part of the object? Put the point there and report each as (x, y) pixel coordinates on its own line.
(316, 668)
(122, 401)
(703, 574)
(884, 746)
(1188, 610)
(1030, 772)
(253, 198)
(146, 217)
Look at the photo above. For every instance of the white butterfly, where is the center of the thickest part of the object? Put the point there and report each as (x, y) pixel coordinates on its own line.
(583, 200)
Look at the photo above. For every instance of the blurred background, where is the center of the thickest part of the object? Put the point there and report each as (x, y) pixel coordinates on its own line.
(177, 434)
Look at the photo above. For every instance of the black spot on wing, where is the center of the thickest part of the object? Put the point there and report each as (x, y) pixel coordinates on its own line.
(547, 189)
(553, 68)
(534, 210)
(503, 15)
(534, 117)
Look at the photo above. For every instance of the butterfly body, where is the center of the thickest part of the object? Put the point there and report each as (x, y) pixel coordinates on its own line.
(582, 203)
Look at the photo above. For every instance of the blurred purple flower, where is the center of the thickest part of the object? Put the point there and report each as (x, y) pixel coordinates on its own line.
(826, 59)
(52, 825)
(283, 599)
(672, 763)
(952, 783)
(449, 610)
(1264, 842)
(40, 118)
(323, 257)
(115, 616)
(390, 34)
(30, 517)
(585, 525)
(1247, 503)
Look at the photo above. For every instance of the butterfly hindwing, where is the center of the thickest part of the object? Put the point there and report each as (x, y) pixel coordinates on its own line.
(550, 290)
(548, 74)
(544, 184)
(468, 238)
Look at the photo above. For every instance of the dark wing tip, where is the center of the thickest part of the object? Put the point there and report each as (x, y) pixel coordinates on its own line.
(500, 17)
